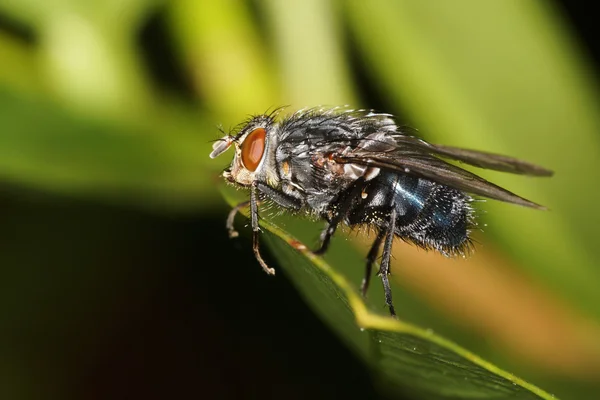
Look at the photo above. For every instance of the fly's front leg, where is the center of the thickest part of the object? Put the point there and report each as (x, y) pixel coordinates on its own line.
(256, 231)
(371, 257)
(283, 200)
(384, 270)
(229, 224)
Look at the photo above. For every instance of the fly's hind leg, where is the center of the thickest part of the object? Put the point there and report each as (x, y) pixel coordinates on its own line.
(384, 270)
(371, 257)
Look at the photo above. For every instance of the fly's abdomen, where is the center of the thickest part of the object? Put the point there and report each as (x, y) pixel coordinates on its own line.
(428, 214)
(443, 222)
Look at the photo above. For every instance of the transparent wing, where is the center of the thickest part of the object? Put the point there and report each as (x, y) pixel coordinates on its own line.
(418, 158)
(479, 159)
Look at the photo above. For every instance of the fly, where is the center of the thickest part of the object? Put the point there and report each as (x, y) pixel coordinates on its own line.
(357, 167)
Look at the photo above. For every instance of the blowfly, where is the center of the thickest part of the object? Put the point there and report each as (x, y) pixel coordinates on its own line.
(358, 167)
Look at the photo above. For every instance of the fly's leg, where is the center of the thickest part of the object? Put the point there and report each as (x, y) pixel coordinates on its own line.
(286, 201)
(341, 210)
(328, 233)
(371, 257)
(384, 270)
(229, 224)
(256, 231)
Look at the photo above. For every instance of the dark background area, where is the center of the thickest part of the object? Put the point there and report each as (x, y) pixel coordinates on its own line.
(157, 331)
(152, 305)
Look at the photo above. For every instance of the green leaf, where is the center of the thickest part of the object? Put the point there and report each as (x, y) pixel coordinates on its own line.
(403, 357)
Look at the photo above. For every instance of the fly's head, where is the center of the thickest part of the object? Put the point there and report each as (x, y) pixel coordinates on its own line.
(254, 152)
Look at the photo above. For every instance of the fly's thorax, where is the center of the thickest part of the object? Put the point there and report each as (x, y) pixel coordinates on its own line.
(309, 166)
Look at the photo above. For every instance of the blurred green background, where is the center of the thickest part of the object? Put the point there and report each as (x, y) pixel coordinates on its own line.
(117, 279)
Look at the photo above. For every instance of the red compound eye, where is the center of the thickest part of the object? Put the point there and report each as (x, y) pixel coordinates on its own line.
(253, 149)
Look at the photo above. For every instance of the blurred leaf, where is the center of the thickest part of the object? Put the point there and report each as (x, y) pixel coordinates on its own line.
(19, 69)
(326, 82)
(221, 48)
(404, 357)
(87, 53)
(160, 160)
(124, 14)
